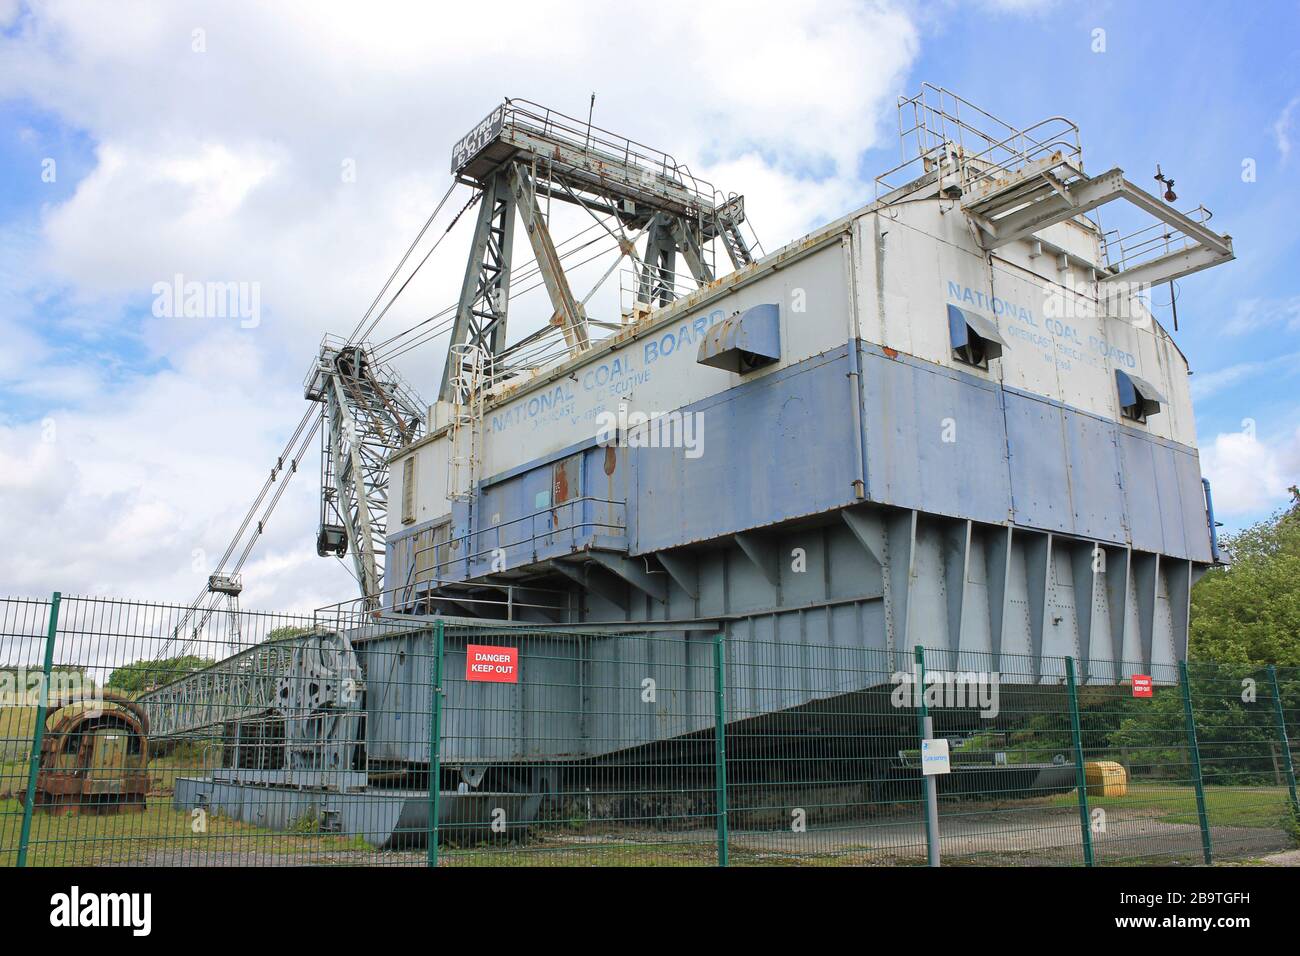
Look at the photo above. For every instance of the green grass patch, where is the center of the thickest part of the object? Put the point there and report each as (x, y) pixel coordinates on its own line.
(1174, 803)
(118, 839)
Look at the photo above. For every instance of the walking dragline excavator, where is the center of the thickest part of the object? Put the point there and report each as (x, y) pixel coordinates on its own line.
(820, 373)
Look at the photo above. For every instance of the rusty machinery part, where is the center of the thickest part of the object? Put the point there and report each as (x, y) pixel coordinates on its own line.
(320, 698)
(101, 695)
(94, 758)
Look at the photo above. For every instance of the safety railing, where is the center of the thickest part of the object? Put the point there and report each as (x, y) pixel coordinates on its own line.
(564, 526)
(431, 597)
(936, 126)
(1149, 242)
(643, 288)
(578, 134)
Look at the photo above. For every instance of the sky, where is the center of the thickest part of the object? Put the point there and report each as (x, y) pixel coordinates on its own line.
(298, 147)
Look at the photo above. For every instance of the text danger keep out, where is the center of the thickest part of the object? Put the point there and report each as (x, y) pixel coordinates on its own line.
(492, 663)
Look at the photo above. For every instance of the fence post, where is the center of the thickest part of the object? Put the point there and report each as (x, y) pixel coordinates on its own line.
(928, 784)
(1195, 754)
(720, 742)
(1080, 772)
(435, 743)
(1282, 738)
(38, 732)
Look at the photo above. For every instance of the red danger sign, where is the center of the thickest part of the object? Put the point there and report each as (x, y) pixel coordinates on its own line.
(499, 664)
(1141, 685)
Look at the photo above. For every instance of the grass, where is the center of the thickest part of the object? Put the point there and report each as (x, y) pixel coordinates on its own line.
(163, 835)
(166, 836)
(186, 759)
(1175, 803)
(142, 837)
(159, 831)
(16, 727)
(629, 853)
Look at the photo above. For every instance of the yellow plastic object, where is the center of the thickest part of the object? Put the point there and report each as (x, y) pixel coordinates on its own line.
(1105, 778)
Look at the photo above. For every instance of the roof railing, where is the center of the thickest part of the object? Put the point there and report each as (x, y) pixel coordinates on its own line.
(1156, 239)
(938, 127)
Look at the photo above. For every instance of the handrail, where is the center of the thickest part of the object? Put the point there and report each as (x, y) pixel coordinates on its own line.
(392, 605)
(1121, 252)
(434, 571)
(581, 135)
(938, 130)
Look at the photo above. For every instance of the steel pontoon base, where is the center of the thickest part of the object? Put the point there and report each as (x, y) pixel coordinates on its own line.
(385, 819)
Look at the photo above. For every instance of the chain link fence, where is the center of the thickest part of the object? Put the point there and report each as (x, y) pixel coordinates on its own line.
(130, 735)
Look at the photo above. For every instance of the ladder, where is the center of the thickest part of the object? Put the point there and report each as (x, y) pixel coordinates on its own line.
(469, 364)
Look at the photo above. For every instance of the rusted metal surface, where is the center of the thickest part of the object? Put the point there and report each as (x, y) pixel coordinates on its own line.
(95, 756)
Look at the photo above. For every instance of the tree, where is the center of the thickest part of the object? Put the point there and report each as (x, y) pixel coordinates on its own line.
(1249, 612)
(142, 675)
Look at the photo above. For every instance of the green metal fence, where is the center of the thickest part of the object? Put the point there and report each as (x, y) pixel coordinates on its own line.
(131, 733)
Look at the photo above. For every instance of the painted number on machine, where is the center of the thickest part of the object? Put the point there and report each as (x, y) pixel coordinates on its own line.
(1141, 685)
(934, 756)
(498, 664)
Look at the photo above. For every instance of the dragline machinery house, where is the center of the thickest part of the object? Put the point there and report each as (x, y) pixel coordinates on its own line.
(954, 403)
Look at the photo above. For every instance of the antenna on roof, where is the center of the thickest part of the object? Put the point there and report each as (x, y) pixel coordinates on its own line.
(1169, 184)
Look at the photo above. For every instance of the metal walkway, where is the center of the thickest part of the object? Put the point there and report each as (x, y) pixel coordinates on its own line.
(242, 685)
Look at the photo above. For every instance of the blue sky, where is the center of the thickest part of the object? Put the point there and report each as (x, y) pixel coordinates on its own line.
(130, 445)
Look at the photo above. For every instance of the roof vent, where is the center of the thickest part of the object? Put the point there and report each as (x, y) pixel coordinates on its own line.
(746, 341)
(975, 339)
(1138, 398)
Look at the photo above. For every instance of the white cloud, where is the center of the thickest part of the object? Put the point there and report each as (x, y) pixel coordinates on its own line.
(1205, 384)
(226, 165)
(1250, 475)
(231, 167)
(1282, 129)
(1255, 314)
(116, 496)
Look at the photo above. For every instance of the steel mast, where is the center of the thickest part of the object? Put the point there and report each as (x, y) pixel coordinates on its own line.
(369, 412)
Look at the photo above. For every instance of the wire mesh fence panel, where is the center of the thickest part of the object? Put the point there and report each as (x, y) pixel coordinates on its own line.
(23, 625)
(818, 764)
(1243, 760)
(1286, 702)
(157, 722)
(1010, 795)
(578, 748)
(1141, 780)
(354, 736)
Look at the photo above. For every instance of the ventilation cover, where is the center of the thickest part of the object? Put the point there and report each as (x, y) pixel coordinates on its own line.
(975, 339)
(746, 341)
(1138, 398)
